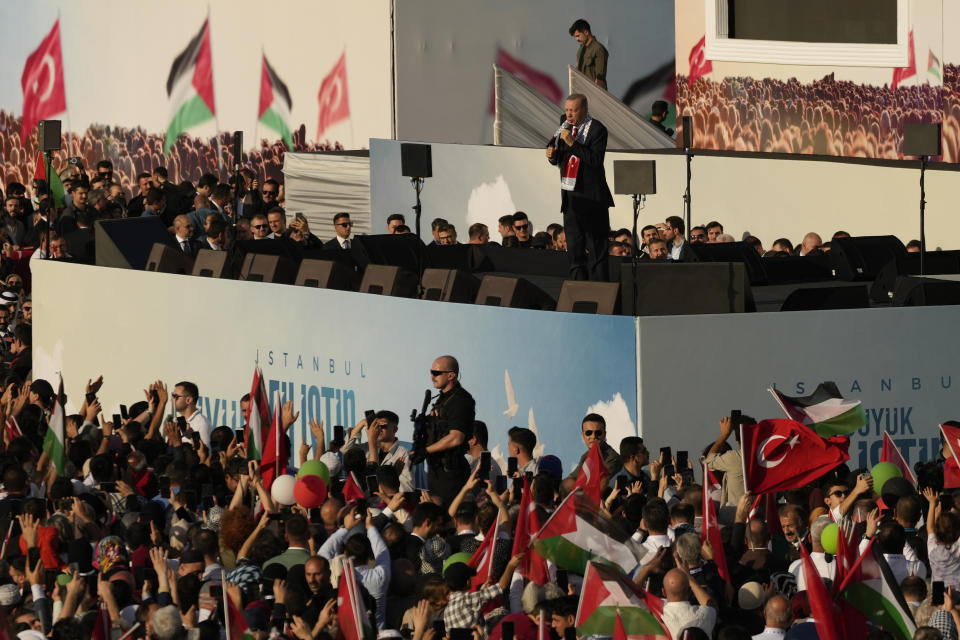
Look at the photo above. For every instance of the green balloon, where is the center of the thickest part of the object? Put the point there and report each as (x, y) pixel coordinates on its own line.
(883, 471)
(315, 468)
(828, 539)
(463, 557)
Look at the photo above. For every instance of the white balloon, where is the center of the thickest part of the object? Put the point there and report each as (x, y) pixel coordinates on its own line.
(282, 490)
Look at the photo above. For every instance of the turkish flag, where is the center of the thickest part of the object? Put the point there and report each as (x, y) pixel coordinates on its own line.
(540, 81)
(711, 527)
(334, 105)
(891, 453)
(902, 73)
(44, 95)
(533, 566)
(784, 454)
(699, 65)
(593, 475)
(822, 608)
(351, 490)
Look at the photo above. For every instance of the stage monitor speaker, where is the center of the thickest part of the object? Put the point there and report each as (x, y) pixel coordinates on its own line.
(820, 298)
(589, 297)
(687, 127)
(863, 257)
(238, 147)
(786, 269)
(682, 288)
(921, 139)
(387, 280)
(48, 135)
(449, 285)
(934, 263)
(325, 274)
(635, 176)
(415, 160)
(524, 262)
(398, 250)
(258, 267)
(127, 242)
(503, 291)
(210, 264)
(732, 252)
(166, 259)
(925, 292)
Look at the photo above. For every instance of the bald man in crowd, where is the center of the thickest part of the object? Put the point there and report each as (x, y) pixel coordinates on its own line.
(777, 617)
(678, 613)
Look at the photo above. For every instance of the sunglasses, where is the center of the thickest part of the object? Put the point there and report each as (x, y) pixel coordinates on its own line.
(344, 224)
(259, 226)
(521, 227)
(839, 493)
(435, 373)
(698, 236)
(269, 193)
(598, 433)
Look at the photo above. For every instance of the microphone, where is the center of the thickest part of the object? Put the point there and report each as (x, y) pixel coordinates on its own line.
(553, 140)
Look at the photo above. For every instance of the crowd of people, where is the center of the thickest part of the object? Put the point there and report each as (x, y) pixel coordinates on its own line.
(827, 116)
(157, 524)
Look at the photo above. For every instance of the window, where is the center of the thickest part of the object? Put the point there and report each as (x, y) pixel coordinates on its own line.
(872, 33)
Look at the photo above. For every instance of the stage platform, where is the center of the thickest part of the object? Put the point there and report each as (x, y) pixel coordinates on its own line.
(336, 354)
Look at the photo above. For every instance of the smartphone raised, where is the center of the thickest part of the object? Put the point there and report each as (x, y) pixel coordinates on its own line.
(511, 466)
(936, 595)
(117, 422)
(501, 484)
(370, 416)
(439, 629)
(484, 472)
(182, 424)
(338, 437)
(563, 580)
(666, 457)
(621, 483)
(123, 412)
(373, 485)
(506, 630)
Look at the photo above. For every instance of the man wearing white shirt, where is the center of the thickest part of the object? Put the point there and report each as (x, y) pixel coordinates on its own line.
(678, 613)
(777, 616)
(185, 396)
(343, 226)
(827, 570)
(656, 522)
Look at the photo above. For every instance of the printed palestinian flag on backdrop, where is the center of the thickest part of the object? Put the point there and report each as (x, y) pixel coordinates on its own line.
(190, 87)
(53, 441)
(873, 591)
(56, 186)
(825, 410)
(258, 416)
(578, 532)
(275, 103)
(607, 591)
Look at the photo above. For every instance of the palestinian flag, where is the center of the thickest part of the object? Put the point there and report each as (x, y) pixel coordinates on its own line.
(190, 87)
(275, 103)
(933, 65)
(608, 597)
(238, 629)
(577, 532)
(825, 411)
(101, 628)
(56, 187)
(891, 453)
(873, 591)
(275, 456)
(258, 416)
(351, 612)
(53, 442)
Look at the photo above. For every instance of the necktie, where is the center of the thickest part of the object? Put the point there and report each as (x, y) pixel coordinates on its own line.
(574, 134)
(346, 243)
(186, 247)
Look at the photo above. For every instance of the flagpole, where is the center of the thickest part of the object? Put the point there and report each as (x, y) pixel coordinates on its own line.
(226, 606)
(743, 462)
(276, 437)
(216, 112)
(63, 72)
(783, 407)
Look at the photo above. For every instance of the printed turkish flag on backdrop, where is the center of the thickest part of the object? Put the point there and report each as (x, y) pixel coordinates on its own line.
(699, 65)
(540, 81)
(334, 105)
(902, 73)
(44, 95)
(784, 454)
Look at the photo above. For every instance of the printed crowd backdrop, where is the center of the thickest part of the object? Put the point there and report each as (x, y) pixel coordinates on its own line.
(816, 109)
(126, 78)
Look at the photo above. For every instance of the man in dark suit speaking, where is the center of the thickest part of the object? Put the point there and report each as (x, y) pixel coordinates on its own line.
(578, 148)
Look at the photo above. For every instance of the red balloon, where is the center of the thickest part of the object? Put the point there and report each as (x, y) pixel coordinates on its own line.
(310, 491)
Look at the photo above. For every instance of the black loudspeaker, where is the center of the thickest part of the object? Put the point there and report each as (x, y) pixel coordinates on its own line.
(258, 267)
(210, 264)
(732, 252)
(238, 147)
(921, 139)
(783, 269)
(863, 257)
(325, 274)
(449, 285)
(127, 242)
(687, 126)
(396, 250)
(502, 291)
(48, 134)
(415, 160)
(815, 299)
(925, 292)
(589, 297)
(493, 257)
(166, 259)
(934, 262)
(635, 176)
(385, 280)
(676, 288)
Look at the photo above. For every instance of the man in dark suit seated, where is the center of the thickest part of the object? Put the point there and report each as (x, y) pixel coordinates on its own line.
(578, 149)
(343, 227)
(678, 249)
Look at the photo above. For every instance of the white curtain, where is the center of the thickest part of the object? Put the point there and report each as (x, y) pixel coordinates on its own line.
(524, 118)
(626, 128)
(318, 185)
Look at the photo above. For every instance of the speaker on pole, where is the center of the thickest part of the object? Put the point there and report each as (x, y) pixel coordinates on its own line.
(687, 127)
(921, 139)
(415, 160)
(48, 134)
(237, 147)
(635, 176)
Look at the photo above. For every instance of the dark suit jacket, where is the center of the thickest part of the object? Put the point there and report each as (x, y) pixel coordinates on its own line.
(80, 244)
(591, 177)
(136, 206)
(334, 244)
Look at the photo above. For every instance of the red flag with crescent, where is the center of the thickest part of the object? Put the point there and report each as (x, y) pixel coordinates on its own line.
(44, 95)
(334, 105)
(699, 65)
(785, 454)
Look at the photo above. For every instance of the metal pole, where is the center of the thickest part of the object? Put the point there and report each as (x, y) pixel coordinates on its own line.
(923, 203)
